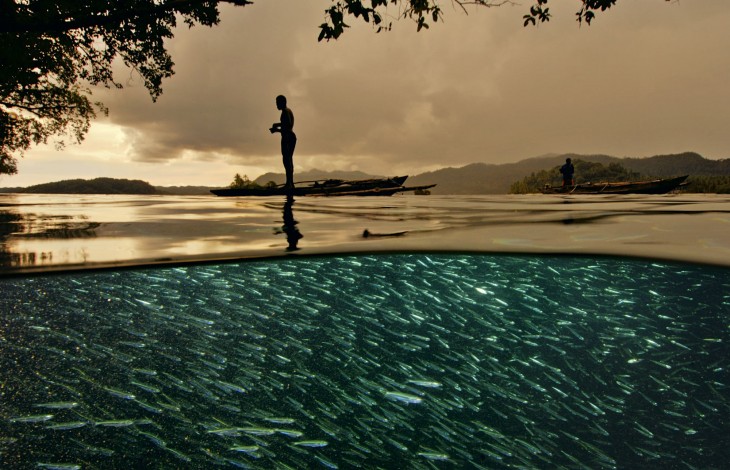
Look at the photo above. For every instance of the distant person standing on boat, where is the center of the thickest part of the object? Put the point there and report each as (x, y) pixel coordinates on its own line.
(285, 126)
(567, 171)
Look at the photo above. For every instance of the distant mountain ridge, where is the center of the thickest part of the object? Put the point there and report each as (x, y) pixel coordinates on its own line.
(475, 178)
(483, 178)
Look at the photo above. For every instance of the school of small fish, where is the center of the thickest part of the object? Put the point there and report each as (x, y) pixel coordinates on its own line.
(411, 361)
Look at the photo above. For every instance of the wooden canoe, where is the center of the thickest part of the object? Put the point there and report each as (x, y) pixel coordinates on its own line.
(378, 191)
(660, 186)
(327, 187)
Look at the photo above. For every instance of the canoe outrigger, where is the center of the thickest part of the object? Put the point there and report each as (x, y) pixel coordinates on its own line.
(329, 187)
(660, 186)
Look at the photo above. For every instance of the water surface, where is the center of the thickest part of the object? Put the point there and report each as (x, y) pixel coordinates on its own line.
(43, 232)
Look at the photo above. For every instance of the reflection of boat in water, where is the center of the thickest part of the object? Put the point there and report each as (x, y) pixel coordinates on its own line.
(660, 186)
(329, 187)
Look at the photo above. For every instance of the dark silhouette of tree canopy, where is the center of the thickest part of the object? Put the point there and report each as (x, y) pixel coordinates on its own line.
(423, 11)
(52, 51)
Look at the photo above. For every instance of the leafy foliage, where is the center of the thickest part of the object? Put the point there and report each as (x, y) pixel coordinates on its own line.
(584, 172)
(51, 52)
(241, 183)
(245, 183)
(539, 12)
(424, 11)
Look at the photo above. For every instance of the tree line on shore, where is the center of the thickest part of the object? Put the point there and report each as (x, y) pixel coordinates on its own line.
(587, 172)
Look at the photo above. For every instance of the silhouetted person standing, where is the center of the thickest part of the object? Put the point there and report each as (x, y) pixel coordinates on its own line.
(288, 139)
(567, 170)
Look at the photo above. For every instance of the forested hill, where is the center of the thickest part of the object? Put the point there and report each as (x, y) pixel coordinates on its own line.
(482, 178)
(662, 166)
(108, 186)
(93, 186)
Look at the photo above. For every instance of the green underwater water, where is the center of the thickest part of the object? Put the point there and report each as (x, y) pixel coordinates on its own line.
(369, 361)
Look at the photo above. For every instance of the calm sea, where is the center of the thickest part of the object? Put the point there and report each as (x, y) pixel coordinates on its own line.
(399, 332)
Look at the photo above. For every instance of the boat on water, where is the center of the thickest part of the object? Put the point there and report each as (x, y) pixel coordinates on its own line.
(659, 186)
(381, 191)
(328, 187)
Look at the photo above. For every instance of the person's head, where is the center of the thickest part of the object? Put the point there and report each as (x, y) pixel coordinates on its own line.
(567, 160)
(280, 102)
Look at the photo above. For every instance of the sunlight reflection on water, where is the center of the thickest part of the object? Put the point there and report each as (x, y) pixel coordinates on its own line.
(48, 232)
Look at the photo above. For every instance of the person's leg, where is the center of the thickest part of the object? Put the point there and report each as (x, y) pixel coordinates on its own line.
(289, 170)
(287, 153)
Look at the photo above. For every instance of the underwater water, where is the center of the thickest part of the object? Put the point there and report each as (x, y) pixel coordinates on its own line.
(369, 361)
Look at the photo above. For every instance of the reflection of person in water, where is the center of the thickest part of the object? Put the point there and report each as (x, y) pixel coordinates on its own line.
(285, 126)
(290, 225)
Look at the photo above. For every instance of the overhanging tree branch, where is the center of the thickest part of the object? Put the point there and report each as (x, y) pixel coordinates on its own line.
(19, 23)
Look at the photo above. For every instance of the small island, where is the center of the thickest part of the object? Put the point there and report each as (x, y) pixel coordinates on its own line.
(93, 186)
(107, 186)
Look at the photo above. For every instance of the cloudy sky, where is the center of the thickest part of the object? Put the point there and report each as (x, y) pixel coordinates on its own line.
(646, 78)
